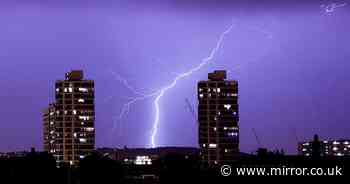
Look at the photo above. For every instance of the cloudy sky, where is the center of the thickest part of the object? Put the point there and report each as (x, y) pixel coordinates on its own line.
(291, 60)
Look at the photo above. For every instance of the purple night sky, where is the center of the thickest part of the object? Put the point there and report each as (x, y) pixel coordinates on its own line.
(291, 61)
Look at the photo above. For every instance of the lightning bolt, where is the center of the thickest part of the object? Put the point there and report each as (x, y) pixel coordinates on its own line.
(162, 92)
(329, 8)
(131, 100)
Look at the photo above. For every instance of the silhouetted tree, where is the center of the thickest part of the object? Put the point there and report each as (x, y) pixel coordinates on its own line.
(96, 168)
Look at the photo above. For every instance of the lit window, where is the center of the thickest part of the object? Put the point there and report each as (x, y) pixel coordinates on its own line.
(218, 90)
(227, 106)
(143, 160)
(57, 89)
(226, 150)
(219, 113)
(51, 132)
(52, 113)
(201, 95)
(346, 142)
(233, 128)
(57, 112)
(325, 142)
(84, 117)
(74, 112)
(203, 145)
(306, 144)
(81, 100)
(307, 154)
(231, 94)
(81, 156)
(225, 128)
(212, 145)
(339, 154)
(335, 149)
(65, 112)
(216, 162)
(126, 160)
(70, 90)
(75, 134)
(208, 89)
(215, 129)
(231, 134)
(200, 89)
(304, 149)
(89, 129)
(65, 90)
(82, 123)
(82, 140)
(51, 123)
(83, 89)
(335, 143)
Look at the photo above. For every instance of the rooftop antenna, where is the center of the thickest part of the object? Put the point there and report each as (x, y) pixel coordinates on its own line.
(256, 137)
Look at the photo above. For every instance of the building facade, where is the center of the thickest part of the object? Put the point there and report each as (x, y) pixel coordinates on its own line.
(327, 148)
(69, 132)
(218, 119)
(49, 128)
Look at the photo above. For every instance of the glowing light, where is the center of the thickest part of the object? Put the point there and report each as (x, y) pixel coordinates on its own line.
(143, 160)
(204, 62)
(83, 89)
(227, 106)
(89, 129)
(84, 118)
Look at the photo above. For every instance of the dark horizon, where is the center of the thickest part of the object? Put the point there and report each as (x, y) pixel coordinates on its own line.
(291, 61)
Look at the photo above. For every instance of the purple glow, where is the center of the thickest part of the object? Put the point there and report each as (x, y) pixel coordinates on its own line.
(291, 62)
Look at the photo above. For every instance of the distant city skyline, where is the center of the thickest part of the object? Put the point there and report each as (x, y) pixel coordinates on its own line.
(290, 58)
